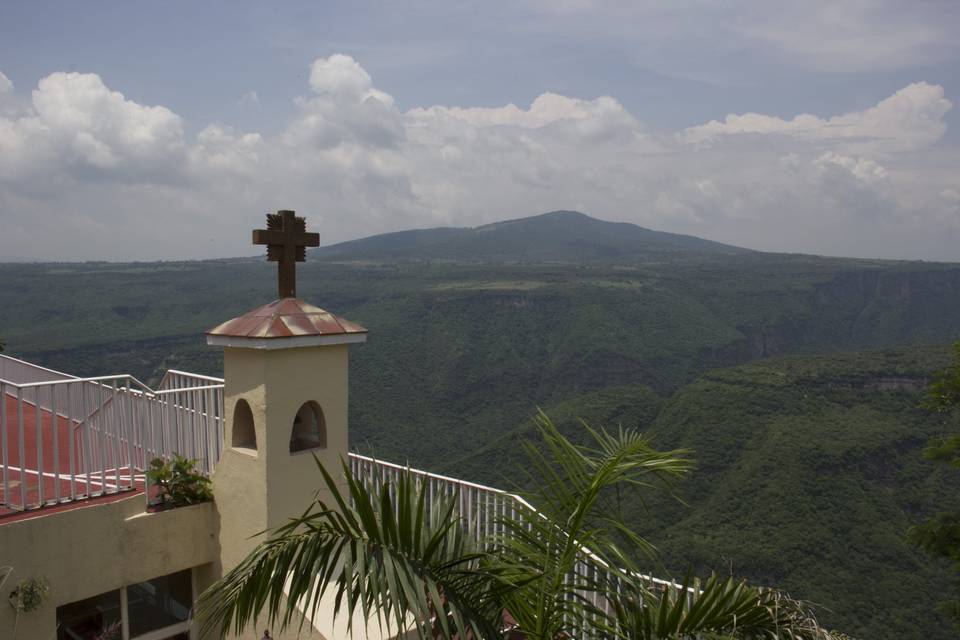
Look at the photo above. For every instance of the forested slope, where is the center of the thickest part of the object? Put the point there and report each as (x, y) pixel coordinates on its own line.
(809, 473)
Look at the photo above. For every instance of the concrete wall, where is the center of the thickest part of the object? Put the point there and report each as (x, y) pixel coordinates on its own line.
(92, 549)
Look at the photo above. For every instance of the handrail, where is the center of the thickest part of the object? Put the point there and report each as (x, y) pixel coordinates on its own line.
(174, 374)
(435, 476)
(188, 374)
(162, 392)
(500, 493)
(58, 375)
(67, 379)
(51, 383)
(96, 435)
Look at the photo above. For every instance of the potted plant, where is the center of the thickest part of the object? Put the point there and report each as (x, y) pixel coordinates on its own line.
(178, 482)
(27, 596)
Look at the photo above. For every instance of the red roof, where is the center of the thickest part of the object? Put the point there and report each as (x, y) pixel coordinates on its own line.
(286, 318)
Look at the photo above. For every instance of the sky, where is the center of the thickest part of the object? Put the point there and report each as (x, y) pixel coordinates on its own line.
(165, 131)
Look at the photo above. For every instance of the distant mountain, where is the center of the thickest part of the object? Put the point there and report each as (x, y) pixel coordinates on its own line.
(555, 237)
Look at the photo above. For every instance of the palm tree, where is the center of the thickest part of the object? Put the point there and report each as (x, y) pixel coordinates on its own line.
(717, 608)
(399, 558)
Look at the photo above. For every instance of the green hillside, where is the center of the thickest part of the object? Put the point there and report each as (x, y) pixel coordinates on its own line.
(809, 472)
(794, 378)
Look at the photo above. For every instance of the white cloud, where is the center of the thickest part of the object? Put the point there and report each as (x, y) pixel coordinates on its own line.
(912, 118)
(9, 102)
(220, 148)
(862, 169)
(346, 109)
(121, 180)
(73, 103)
(77, 127)
(546, 109)
(340, 76)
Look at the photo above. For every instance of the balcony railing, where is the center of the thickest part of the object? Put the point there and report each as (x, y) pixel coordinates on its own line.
(66, 438)
(483, 509)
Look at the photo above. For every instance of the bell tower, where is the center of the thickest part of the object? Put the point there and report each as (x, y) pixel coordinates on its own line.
(285, 400)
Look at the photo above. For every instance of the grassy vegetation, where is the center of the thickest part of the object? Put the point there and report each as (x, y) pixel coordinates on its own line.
(793, 378)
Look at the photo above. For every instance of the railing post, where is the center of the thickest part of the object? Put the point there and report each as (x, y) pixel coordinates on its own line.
(131, 430)
(221, 420)
(71, 446)
(55, 432)
(208, 430)
(38, 414)
(3, 443)
(178, 423)
(85, 438)
(22, 458)
(104, 441)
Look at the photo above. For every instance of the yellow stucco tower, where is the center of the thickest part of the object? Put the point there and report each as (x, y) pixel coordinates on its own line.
(285, 400)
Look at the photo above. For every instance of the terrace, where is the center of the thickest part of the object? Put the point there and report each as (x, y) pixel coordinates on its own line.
(69, 442)
(65, 440)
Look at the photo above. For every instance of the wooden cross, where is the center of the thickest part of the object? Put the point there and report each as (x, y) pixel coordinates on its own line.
(286, 238)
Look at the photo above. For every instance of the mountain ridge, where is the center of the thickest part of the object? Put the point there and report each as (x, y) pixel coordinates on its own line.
(560, 236)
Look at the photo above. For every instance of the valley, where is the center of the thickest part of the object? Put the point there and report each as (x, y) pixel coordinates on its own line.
(793, 379)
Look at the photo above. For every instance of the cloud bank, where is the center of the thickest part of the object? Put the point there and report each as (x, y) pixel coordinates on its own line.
(87, 173)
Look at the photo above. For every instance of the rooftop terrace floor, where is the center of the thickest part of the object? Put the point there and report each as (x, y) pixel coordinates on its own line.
(50, 473)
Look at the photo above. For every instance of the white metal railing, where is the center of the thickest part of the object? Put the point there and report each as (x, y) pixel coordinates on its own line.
(23, 371)
(101, 433)
(64, 438)
(484, 509)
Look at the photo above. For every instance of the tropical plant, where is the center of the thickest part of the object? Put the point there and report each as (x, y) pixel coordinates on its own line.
(577, 492)
(397, 557)
(179, 482)
(715, 608)
(27, 596)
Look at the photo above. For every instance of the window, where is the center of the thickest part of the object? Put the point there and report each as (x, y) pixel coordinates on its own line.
(159, 603)
(309, 429)
(96, 617)
(158, 609)
(244, 435)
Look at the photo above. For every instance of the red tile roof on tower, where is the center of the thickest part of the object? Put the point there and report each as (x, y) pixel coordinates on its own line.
(286, 318)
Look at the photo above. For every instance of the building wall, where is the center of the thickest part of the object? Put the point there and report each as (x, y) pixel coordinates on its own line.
(101, 547)
(261, 489)
(92, 549)
(258, 489)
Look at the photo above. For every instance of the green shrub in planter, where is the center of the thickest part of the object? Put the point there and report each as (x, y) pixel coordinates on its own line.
(29, 594)
(180, 484)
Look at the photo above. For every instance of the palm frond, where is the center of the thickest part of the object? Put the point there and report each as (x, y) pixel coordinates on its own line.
(716, 608)
(552, 589)
(389, 554)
